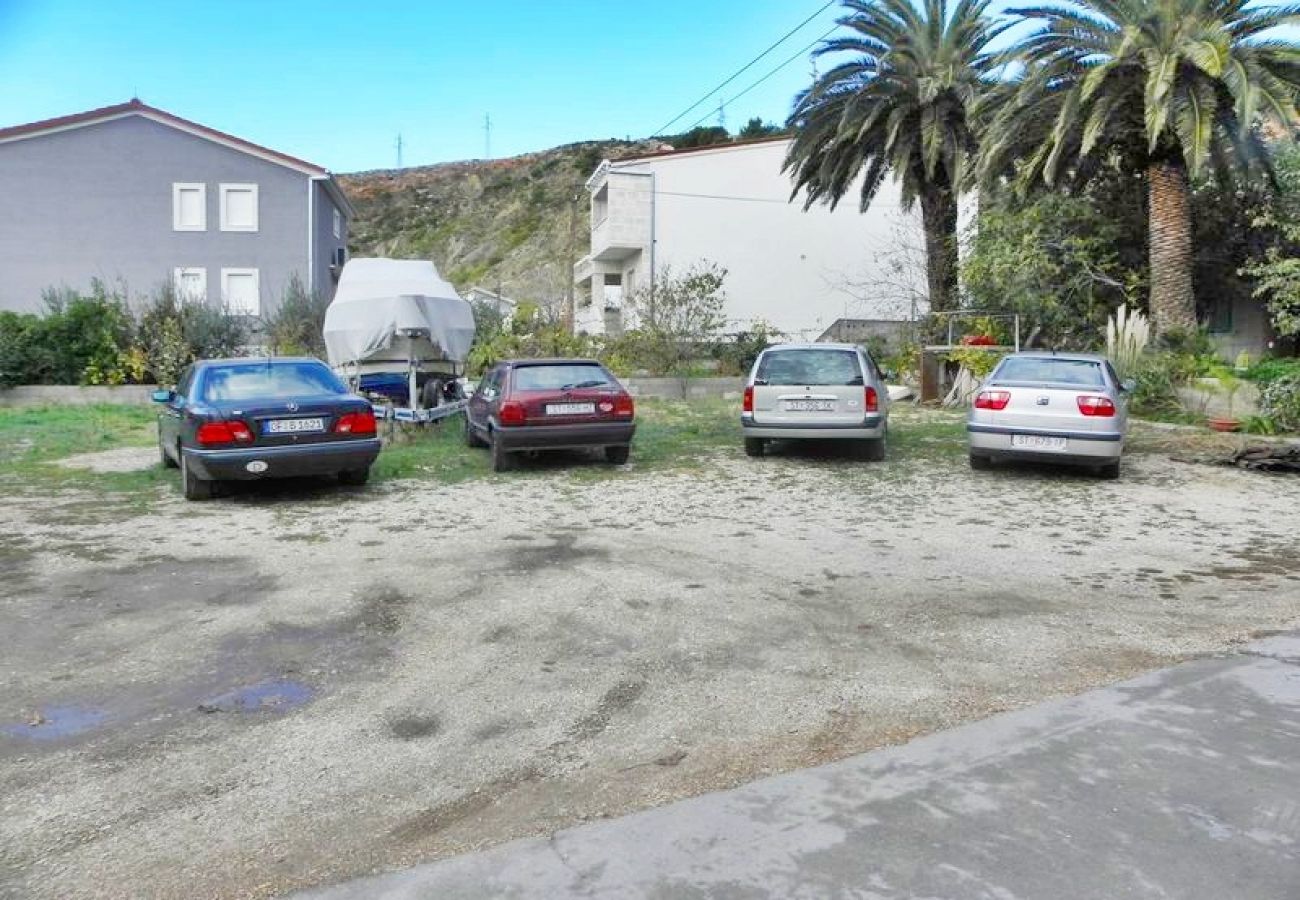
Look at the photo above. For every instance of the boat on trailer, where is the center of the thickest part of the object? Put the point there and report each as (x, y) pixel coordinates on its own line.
(399, 334)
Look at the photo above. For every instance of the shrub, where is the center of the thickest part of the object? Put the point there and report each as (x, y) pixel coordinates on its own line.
(1271, 369)
(1280, 402)
(297, 327)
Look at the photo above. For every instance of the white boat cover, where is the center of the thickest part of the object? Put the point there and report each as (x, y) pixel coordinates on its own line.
(396, 310)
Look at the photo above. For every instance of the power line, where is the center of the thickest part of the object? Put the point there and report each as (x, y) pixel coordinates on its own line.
(720, 196)
(768, 75)
(681, 115)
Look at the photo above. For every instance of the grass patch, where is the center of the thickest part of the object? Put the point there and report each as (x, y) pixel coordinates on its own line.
(32, 438)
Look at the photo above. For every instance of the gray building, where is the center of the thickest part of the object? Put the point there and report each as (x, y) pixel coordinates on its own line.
(140, 198)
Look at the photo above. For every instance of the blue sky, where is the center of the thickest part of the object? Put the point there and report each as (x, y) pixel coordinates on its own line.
(336, 82)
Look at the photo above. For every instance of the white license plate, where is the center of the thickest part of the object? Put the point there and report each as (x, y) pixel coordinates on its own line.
(1039, 442)
(293, 426)
(810, 405)
(570, 409)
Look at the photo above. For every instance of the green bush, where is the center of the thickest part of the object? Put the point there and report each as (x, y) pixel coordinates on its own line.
(1157, 378)
(297, 327)
(1280, 402)
(1272, 369)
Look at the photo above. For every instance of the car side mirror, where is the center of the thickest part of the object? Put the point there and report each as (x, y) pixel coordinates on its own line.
(163, 396)
(1128, 385)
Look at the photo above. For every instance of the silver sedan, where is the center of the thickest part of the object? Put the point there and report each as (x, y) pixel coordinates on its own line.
(1050, 407)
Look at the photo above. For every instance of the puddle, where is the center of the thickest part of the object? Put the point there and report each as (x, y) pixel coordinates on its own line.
(54, 722)
(279, 695)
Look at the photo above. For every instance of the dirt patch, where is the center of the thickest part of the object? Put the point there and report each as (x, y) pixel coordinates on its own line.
(123, 459)
(555, 655)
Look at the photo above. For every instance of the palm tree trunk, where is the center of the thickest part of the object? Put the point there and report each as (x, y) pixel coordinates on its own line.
(1172, 302)
(939, 220)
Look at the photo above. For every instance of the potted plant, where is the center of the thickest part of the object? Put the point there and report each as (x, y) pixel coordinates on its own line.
(1228, 385)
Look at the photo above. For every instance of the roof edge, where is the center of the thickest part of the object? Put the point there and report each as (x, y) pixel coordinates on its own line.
(137, 107)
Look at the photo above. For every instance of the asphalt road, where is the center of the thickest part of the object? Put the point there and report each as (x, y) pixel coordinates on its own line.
(300, 685)
(1181, 783)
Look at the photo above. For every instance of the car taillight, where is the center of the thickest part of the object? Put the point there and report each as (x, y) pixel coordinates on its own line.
(624, 407)
(232, 432)
(512, 413)
(872, 400)
(992, 399)
(1091, 405)
(356, 423)
(747, 405)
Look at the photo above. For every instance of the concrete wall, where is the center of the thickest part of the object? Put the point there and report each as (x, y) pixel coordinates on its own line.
(680, 388)
(96, 202)
(75, 395)
(800, 271)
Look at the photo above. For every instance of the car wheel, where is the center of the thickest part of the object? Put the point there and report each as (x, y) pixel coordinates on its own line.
(165, 458)
(874, 450)
(980, 463)
(194, 487)
(472, 439)
(502, 460)
(1110, 471)
(755, 446)
(354, 477)
(617, 455)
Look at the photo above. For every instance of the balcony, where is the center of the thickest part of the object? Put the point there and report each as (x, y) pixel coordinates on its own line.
(615, 239)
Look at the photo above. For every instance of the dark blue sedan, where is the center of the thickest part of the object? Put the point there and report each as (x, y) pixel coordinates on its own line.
(246, 419)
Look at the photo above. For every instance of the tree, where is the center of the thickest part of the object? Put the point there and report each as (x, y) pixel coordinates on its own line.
(1054, 260)
(903, 104)
(1174, 88)
(1277, 269)
(756, 128)
(678, 317)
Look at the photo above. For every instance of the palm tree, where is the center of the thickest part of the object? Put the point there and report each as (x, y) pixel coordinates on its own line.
(1171, 88)
(903, 104)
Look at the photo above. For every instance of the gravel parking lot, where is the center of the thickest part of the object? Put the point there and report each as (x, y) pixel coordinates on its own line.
(301, 683)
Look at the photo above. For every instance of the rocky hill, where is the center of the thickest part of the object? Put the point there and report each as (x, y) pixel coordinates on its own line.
(502, 223)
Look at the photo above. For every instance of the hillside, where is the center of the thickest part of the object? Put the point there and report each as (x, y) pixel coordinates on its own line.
(494, 223)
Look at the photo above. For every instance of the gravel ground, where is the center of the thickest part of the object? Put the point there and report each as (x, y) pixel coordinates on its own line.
(298, 684)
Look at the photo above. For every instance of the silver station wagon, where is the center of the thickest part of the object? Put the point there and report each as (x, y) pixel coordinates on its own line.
(1050, 407)
(815, 392)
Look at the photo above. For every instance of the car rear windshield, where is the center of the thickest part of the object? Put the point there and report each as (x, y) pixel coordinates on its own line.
(1046, 370)
(276, 381)
(561, 377)
(810, 367)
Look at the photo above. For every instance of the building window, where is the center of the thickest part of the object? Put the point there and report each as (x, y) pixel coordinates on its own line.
(338, 225)
(600, 205)
(240, 292)
(191, 284)
(239, 207)
(189, 207)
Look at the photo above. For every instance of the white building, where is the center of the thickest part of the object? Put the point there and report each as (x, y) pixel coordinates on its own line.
(730, 204)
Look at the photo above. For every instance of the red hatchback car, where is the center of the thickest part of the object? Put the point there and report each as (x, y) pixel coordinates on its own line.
(524, 405)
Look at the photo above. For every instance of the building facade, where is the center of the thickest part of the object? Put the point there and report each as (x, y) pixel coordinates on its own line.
(139, 198)
(800, 271)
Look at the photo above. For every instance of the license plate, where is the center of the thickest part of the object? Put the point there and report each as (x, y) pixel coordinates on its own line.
(570, 409)
(1039, 442)
(292, 426)
(810, 405)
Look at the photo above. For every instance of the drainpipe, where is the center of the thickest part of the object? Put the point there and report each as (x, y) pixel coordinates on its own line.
(311, 235)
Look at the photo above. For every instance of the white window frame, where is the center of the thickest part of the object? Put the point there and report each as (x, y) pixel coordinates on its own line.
(224, 190)
(225, 290)
(178, 279)
(338, 225)
(177, 187)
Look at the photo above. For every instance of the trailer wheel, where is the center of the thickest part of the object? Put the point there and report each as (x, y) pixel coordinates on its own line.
(431, 394)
